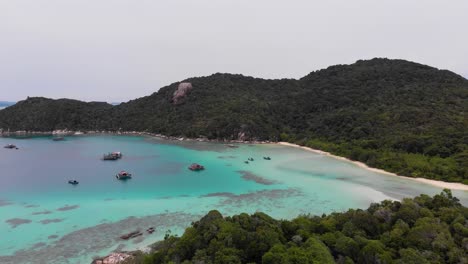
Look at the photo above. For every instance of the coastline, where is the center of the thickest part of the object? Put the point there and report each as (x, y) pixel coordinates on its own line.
(436, 183)
(440, 184)
(131, 133)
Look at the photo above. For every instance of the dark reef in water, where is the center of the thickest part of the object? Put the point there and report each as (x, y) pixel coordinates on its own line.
(48, 221)
(93, 239)
(68, 207)
(249, 176)
(5, 203)
(218, 194)
(257, 197)
(227, 157)
(38, 245)
(14, 222)
(42, 212)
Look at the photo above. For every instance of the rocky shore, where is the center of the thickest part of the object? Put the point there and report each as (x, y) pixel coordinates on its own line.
(114, 258)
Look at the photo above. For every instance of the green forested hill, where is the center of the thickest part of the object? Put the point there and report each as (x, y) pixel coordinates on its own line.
(422, 230)
(396, 115)
(42, 114)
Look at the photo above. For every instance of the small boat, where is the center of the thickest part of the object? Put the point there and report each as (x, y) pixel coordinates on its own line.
(250, 159)
(196, 167)
(266, 158)
(232, 146)
(10, 146)
(123, 175)
(112, 156)
(74, 182)
(109, 157)
(58, 139)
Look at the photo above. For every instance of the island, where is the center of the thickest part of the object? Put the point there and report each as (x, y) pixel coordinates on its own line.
(399, 116)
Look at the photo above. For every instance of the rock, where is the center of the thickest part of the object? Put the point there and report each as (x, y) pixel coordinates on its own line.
(131, 235)
(181, 91)
(113, 258)
(242, 136)
(297, 239)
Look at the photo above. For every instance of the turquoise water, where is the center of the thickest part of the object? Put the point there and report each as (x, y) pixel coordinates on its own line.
(45, 220)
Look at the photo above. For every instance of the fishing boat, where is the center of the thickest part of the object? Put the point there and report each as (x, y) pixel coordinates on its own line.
(73, 182)
(109, 156)
(117, 154)
(196, 167)
(10, 146)
(112, 156)
(123, 175)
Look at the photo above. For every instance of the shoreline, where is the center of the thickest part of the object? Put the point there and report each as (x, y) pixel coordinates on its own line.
(436, 183)
(132, 133)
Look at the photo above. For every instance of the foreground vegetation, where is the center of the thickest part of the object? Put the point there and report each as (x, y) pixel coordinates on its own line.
(422, 230)
(396, 115)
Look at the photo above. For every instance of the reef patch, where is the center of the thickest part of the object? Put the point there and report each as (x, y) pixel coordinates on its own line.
(96, 238)
(68, 207)
(38, 245)
(218, 194)
(258, 197)
(42, 212)
(249, 176)
(49, 221)
(5, 203)
(227, 157)
(14, 222)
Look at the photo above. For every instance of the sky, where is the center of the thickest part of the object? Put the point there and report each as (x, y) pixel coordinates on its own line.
(117, 50)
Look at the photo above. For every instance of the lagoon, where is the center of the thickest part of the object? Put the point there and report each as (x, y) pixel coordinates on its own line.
(43, 219)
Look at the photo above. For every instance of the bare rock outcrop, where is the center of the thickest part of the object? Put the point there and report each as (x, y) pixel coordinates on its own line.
(181, 92)
(113, 258)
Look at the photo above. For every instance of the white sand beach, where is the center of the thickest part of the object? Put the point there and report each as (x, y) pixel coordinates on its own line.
(441, 184)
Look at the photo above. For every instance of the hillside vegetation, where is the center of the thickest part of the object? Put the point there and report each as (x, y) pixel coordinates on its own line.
(396, 115)
(423, 230)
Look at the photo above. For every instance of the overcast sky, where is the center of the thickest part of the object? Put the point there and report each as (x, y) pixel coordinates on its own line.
(112, 50)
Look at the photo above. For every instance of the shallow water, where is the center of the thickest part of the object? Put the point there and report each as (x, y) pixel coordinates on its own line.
(45, 220)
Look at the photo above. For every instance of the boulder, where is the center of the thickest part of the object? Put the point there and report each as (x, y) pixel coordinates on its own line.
(113, 258)
(181, 91)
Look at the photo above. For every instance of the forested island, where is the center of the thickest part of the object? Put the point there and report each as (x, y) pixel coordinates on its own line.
(400, 116)
(421, 230)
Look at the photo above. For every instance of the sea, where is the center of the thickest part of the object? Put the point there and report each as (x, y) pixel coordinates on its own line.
(44, 219)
